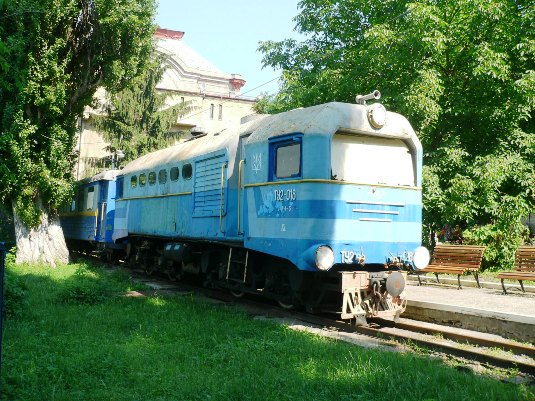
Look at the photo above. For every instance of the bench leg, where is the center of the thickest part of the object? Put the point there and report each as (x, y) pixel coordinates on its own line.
(459, 282)
(419, 281)
(522, 285)
(504, 290)
(476, 275)
(436, 275)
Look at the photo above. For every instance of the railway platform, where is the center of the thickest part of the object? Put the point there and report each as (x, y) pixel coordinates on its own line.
(480, 309)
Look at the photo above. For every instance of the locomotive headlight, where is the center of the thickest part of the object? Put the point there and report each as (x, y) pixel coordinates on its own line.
(421, 257)
(377, 115)
(324, 257)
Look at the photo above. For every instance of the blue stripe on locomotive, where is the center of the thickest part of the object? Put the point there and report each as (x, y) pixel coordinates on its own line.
(385, 223)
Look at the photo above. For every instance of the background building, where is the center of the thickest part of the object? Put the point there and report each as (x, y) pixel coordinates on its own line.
(213, 96)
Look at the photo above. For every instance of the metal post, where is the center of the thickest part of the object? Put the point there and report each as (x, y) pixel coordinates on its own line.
(2, 268)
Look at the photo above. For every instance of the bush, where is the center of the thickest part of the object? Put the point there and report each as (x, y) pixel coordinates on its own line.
(15, 294)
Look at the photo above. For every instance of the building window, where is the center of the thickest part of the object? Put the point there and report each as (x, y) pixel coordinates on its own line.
(142, 180)
(187, 171)
(212, 107)
(220, 112)
(133, 181)
(162, 176)
(152, 178)
(174, 173)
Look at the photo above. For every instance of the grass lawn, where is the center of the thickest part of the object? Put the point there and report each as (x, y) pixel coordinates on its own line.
(72, 335)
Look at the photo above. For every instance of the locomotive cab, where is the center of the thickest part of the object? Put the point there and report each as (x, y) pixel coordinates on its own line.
(335, 189)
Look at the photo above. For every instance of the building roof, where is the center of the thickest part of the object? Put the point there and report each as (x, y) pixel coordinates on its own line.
(174, 47)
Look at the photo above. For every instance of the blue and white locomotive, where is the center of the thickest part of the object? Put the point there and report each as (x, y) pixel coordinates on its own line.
(319, 206)
(88, 221)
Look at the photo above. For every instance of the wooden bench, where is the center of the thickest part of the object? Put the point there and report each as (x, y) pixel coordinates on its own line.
(524, 267)
(455, 259)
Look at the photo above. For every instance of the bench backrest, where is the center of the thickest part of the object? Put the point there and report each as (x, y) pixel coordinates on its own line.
(525, 258)
(469, 256)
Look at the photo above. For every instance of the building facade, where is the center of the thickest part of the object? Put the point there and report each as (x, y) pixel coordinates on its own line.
(213, 97)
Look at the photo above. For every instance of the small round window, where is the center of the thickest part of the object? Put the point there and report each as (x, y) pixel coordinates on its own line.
(133, 181)
(162, 176)
(152, 178)
(142, 180)
(174, 173)
(187, 171)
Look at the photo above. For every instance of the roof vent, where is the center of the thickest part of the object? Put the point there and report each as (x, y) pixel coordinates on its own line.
(197, 132)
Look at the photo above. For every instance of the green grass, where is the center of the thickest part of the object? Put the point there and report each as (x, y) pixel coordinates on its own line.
(78, 338)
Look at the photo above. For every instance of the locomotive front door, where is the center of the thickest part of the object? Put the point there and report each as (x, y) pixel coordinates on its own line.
(241, 192)
(101, 212)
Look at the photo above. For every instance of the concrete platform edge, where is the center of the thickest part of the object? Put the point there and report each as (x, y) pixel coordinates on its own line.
(512, 326)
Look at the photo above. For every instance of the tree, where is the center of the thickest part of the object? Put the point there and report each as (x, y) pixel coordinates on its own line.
(53, 56)
(463, 72)
(137, 118)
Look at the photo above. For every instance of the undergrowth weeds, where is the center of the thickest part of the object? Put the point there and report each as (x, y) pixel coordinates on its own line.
(75, 336)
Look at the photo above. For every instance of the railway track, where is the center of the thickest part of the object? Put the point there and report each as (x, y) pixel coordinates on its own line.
(468, 346)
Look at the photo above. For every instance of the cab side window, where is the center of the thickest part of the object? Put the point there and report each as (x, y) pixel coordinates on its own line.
(286, 157)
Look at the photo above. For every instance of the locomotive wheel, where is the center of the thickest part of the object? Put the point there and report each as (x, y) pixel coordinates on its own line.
(285, 305)
(172, 274)
(149, 267)
(236, 293)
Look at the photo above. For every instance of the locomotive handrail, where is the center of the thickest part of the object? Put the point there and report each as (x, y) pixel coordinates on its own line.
(223, 167)
(240, 168)
(96, 223)
(102, 214)
(335, 182)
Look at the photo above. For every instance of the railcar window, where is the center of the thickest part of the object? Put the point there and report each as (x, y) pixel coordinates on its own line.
(142, 180)
(174, 173)
(152, 178)
(187, 171)
(90, 198)
(162, 176)
(288, 161)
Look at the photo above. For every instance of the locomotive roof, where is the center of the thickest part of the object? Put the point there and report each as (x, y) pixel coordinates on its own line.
(326, 119)
(185, 151)
(108, 175)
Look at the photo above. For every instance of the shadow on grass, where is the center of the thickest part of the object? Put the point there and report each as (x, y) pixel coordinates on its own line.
(79, 338)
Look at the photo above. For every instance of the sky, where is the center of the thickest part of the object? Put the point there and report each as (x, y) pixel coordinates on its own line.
(227, 34)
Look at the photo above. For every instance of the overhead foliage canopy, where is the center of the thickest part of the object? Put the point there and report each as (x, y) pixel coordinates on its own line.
(138, 118)
(463, 73)
(53, 56)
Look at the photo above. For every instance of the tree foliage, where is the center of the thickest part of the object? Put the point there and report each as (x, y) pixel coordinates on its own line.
(463, 73)
(138, 118)
(53, 56)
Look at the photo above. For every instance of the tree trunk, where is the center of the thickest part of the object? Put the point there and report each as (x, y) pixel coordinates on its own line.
(44, 244)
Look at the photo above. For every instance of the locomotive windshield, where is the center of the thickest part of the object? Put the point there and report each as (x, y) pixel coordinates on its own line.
(372, 160)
